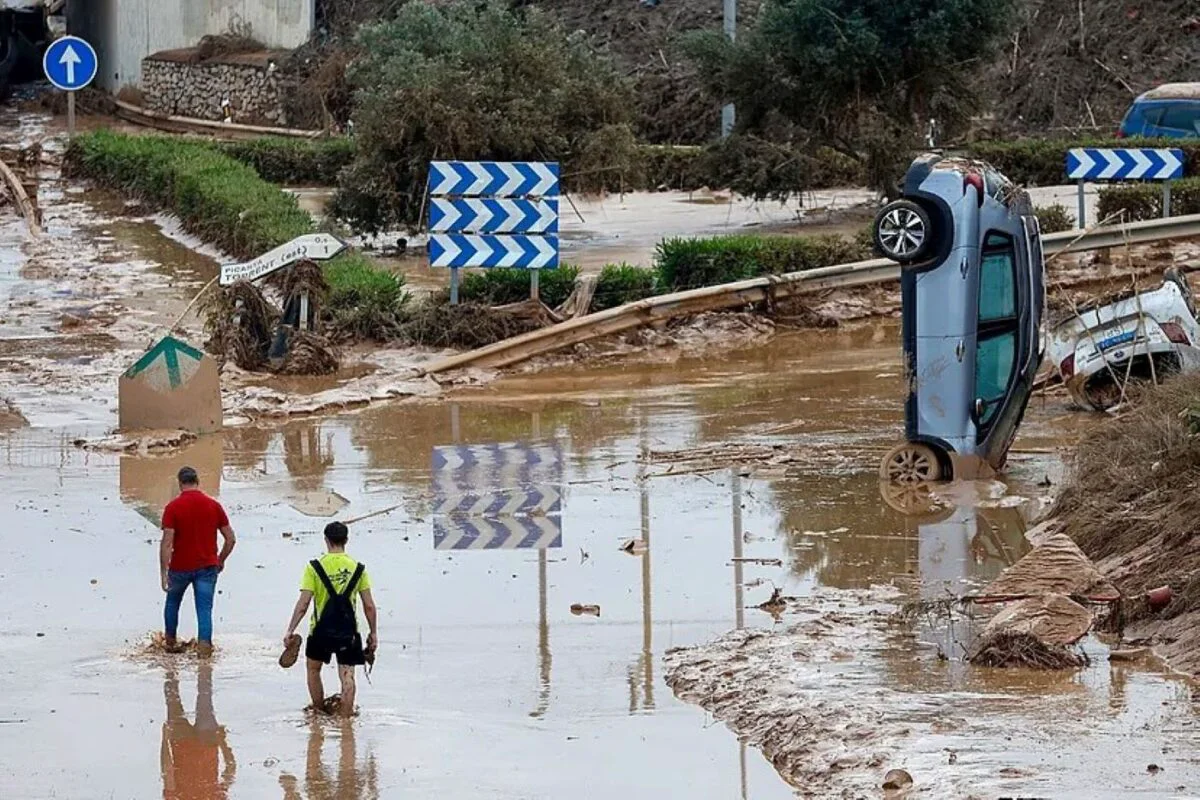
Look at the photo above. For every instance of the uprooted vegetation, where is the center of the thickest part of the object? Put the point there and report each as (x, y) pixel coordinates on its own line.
(1131, 504)
(228, 204)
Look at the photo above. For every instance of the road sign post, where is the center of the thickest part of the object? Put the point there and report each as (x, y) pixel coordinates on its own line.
(493, 214)
(70, 64)
(1124, 164)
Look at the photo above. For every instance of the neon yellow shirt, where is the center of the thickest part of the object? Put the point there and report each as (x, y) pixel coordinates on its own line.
(340, 568)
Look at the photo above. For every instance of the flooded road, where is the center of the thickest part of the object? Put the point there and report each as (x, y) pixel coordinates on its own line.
(487, 684)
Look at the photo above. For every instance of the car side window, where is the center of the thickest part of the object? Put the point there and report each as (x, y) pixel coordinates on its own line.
(994, 359)
(997, 280)
(1181, 117)
(996, 345)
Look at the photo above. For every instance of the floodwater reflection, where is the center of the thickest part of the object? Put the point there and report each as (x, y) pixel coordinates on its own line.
(349, 781)
(197, 761)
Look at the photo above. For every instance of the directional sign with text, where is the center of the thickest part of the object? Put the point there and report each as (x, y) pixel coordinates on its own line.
(1132, 164)
(493, 214)
(70, 63)
(497, 496)
(310, 246)
(467, 250)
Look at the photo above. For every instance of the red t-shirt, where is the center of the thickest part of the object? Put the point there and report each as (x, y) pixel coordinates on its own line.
(195, 517)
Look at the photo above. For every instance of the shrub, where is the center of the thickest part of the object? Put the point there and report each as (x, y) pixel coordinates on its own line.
(692, 263)
(473, 80)
(623, 283)
(225, 202)
(1144, 201)
(1055, 218)
(497, 287)
(296, 161)
(364, 301)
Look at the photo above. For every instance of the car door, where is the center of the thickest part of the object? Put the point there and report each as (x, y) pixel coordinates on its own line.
(1000, 340)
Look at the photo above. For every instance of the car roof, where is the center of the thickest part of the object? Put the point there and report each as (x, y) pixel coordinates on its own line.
(1173, 91)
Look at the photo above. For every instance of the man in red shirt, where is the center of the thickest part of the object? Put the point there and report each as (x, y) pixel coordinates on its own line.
(188, 556)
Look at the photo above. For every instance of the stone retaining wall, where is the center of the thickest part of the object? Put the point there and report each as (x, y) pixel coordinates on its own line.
(240, 88)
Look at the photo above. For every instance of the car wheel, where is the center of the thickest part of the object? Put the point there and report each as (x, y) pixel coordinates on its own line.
(903, 231)
(911, 463)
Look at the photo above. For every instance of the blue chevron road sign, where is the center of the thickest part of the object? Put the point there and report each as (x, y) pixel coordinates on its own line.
(494, 216)
(1132, 164)
(503, 533)
(497, 496)
(493, 179)
(489, 250)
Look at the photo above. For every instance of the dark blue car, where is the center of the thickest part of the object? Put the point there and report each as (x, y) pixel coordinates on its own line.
(1172, 111)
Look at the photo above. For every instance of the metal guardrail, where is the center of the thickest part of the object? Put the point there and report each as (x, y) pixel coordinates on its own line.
(774, 287)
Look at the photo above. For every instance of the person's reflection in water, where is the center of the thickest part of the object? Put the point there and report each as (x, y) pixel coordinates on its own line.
(350, 783)
(192, 752)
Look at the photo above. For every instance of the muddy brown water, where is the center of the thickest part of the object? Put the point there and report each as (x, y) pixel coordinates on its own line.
(487, 685)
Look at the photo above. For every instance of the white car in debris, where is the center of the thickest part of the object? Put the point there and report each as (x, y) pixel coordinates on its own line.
(1134, 336)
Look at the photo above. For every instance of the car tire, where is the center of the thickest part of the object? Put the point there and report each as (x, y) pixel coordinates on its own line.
(911, 463)
(903, 232)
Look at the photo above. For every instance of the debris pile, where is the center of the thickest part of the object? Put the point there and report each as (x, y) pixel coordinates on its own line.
(1131, 504)
(244, 327)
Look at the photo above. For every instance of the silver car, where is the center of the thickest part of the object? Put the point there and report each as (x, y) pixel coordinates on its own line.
(973, 297)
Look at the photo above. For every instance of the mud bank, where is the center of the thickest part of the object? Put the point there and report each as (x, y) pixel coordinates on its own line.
(843, 691)
(1130, 502)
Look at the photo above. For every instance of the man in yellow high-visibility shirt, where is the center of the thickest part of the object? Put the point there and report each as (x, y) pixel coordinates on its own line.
(335, 581)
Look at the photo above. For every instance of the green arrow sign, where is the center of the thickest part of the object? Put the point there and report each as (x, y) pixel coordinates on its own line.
(178, 359)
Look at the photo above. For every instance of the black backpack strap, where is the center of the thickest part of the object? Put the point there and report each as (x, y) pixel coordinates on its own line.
(323, 576)
(358, 571)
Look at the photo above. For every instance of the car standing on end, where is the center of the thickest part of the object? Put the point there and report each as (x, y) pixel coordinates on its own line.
(973, 298)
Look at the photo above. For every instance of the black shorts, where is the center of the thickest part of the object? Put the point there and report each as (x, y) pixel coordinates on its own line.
(319, 649)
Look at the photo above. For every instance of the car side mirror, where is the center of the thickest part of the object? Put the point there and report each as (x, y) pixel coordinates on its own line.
(979, 408)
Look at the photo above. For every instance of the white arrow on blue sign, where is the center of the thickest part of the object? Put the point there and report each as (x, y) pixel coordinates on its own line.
(483, 533)
(70, 63)
(1133, 164)
(493, 179)
(494, 216)
(469, 250)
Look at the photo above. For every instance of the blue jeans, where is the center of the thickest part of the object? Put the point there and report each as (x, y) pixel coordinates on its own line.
(204, 587)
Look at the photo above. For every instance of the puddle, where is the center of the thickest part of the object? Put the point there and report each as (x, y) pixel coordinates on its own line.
(483, 660)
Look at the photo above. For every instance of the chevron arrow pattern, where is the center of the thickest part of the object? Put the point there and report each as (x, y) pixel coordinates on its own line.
(512, 533)
(493, 179)
(1132, 164)
(497, 496)
(493, 216)
(486, 250)
(501, 503)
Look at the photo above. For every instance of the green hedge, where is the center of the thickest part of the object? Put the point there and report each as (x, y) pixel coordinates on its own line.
(1054, 218)
(692, 263)
(497, 287)
(1043, 162)
(623, 283)
(225, 202)
(296, 161)
(1144, 201)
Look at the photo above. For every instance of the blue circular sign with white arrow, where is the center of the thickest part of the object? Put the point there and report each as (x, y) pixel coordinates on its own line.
(70, 63)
